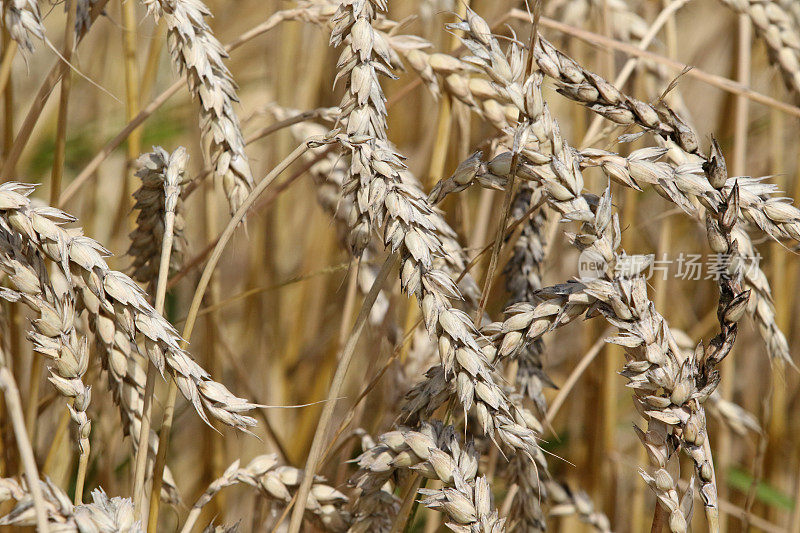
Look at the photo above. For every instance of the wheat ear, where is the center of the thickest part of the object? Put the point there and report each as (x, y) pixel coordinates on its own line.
(199, 55)
(117, 307)
(779, 30)
(23, 21)
(434, 452)
(104, 514)
(278, 482)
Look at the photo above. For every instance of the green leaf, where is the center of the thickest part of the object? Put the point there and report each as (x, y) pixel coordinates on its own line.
(765, 493)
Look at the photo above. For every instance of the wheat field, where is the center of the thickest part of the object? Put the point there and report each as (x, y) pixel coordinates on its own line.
(399, 266)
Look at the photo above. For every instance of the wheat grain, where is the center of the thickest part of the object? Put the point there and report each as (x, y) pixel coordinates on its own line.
(685, 185)
(330, 175)
(627, 307)
(458, 410)
(774, 216)
(53, 334)
(601, 237)
(410, 232)
(363, 109)
(647, 340)
(523, 279)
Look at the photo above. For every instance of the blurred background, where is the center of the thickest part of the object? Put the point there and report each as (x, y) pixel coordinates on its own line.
(282, 299)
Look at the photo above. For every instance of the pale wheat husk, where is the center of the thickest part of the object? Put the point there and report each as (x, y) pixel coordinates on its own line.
(773, 215)
(409, 229)
(654, 362)
(412, 230)
(523, 278)
(330, 174)
(623, 301)
(363, 108)
(685, 185)
(560, 177)
(689, 379)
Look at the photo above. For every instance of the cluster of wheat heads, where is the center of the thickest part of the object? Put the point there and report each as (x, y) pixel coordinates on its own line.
(520, 217)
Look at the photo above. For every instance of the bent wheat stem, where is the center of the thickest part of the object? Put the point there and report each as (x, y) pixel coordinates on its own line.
(346, 357)
(14, 404)
(197, 300)
(171, 195)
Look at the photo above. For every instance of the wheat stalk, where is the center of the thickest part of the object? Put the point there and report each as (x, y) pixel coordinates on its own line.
(160, 215)
(14, 406)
